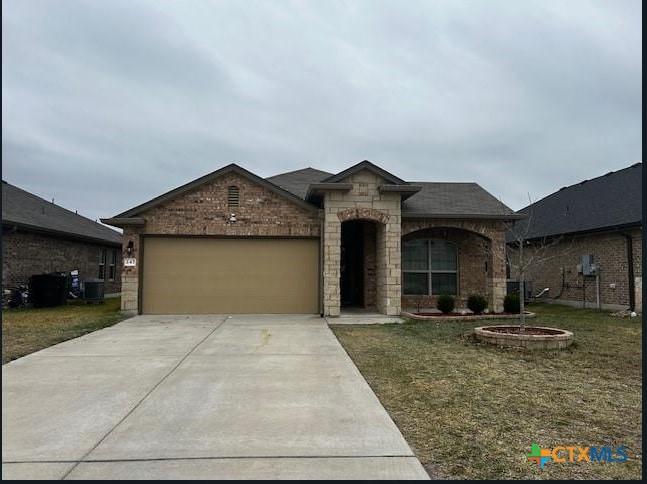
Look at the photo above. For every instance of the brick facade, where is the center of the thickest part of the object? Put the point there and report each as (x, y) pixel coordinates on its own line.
(205, 211)
(609, 252)
(481, 257)
(27, 253)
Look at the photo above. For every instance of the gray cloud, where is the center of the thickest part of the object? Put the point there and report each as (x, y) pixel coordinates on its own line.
(107, 104)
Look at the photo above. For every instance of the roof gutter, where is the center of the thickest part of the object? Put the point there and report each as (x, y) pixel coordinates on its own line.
(315, 189)
(610, 228)
(124, 221)
(512, 216)
(60, 233)
(405, 190)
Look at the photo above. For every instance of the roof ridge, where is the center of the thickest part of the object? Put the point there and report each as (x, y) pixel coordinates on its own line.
(300, 169)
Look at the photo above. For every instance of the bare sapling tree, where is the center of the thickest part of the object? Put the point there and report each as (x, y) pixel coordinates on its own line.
(530, 253)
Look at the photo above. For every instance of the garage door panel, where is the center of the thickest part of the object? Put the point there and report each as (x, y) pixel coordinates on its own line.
(207, 275)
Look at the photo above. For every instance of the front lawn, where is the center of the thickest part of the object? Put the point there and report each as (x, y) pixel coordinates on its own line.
(472, 412)
(27, 330)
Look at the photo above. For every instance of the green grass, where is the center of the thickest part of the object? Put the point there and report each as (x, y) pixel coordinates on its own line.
(471, 411)
(27, 330)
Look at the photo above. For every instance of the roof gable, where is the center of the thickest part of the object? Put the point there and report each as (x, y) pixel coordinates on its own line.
(28, 211)
(365, 165)
(179, 191)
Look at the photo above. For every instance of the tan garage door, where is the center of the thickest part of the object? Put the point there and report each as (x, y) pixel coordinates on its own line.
(230, 276)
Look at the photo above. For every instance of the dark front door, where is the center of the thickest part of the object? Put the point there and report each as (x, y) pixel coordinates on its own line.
(352, 264)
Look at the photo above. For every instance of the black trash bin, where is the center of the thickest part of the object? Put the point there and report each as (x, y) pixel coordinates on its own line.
(48, 290)
(93, 290)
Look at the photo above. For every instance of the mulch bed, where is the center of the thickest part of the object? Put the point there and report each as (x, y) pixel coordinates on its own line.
(446, 315)
(528, 330)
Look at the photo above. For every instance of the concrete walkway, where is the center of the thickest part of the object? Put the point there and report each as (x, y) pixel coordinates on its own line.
(198, 397)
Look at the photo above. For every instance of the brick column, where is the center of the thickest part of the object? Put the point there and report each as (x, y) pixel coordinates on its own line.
(331, 262)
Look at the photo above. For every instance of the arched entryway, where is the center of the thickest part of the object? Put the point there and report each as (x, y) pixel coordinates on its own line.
(358, 267)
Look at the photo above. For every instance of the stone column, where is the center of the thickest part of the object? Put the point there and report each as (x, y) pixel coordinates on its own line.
(130, 275)
(331, 261)
(497, 274)
(393, 263)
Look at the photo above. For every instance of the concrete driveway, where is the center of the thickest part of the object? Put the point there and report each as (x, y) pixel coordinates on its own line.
(203, 397)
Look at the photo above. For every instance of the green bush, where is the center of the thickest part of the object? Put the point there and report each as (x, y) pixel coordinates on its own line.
(511, 303)
(476, 303)
(445, 304)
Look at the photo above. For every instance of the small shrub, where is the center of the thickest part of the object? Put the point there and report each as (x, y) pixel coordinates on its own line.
(445, 304)
(476, 303)
(511, 303)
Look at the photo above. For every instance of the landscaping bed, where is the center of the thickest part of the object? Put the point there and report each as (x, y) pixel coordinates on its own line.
(457, 316)
(472, 411)
(532, 337)
(26, 330)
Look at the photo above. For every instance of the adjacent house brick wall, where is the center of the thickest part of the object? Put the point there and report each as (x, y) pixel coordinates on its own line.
(27, 253)
(205, 211)
(609, 252)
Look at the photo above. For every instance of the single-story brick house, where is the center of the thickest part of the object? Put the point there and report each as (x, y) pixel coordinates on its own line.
(39, 237)
(309, 241)
(601, 218)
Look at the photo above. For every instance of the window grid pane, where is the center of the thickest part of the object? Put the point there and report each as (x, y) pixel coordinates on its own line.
(443, 283)
(442, 255)
(415, 256)
(415, 283)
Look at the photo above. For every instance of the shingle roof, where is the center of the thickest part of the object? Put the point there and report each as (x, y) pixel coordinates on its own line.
(297, 181)
(454, 199)
(434, 199)
(26, 210)
(611, 200)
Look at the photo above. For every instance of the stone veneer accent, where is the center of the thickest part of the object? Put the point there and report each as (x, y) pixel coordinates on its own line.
(204, 211)
(363, 202)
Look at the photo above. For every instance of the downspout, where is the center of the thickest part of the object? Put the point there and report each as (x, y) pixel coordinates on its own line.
(630, 271)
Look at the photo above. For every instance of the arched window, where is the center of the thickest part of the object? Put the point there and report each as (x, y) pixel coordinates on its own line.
(233, 197)
(429, 267)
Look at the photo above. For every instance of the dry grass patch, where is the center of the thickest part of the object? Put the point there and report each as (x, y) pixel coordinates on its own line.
(27, 330)
(472, 412)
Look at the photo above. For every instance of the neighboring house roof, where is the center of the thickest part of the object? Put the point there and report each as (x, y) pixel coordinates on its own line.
(297, 181)
(609, 201)
(30, 212)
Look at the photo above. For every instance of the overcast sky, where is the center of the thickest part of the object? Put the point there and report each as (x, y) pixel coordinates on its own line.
(106, 104)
